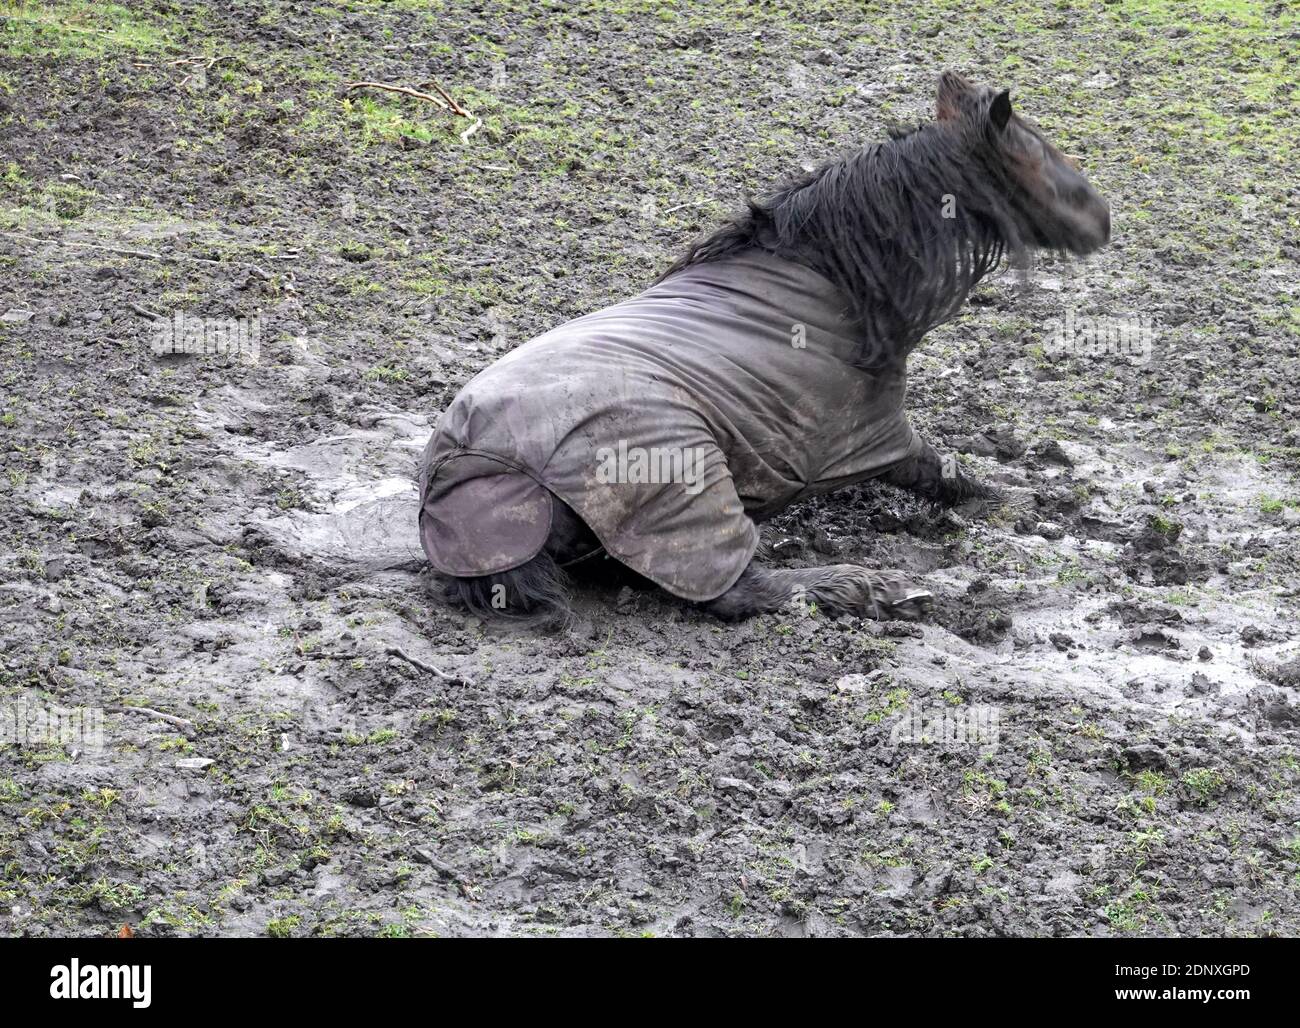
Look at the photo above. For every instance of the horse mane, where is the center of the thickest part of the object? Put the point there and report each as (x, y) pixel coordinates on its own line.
(873, 223)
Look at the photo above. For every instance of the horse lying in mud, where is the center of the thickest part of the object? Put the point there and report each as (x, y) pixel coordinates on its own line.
(768, 364)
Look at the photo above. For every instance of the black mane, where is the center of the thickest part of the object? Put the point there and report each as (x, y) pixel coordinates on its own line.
(872, 223)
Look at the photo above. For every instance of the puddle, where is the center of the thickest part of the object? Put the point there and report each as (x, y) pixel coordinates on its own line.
(359, 485)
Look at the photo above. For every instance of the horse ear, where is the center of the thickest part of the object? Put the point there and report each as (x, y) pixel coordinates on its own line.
(1000, 111)
(952, 88)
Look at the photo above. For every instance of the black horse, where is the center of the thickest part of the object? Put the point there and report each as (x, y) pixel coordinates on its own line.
(766, 365)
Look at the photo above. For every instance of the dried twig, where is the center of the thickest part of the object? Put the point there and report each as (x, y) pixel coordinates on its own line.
(397, 651)
(683, 206)
(404, 90)
(207, 62)
(444, 100)
(142, 254)
(145, 255)
(450, 100)
(186, 727)
(145, 312)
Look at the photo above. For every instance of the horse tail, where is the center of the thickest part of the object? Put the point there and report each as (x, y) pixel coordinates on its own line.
(536, 592)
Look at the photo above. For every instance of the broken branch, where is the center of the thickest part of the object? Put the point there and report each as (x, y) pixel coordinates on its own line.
(187, 727)
(450, 100)
(145, 255)
(415, 662)
(404, 90)
(444, 100)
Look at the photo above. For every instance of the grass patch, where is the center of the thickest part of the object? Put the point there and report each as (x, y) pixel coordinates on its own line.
(77, 30)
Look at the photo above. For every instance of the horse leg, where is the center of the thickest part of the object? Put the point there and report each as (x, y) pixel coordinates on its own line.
(930, 476)
(838, 589)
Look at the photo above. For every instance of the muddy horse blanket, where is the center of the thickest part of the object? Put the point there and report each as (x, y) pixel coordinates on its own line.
(669, 422)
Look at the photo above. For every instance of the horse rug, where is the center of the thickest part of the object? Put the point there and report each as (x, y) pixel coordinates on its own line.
(669, 422)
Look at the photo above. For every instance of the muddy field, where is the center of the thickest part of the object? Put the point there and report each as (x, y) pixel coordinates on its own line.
(1096, 733)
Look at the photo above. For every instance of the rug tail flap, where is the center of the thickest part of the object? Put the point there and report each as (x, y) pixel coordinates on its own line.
(479, 516)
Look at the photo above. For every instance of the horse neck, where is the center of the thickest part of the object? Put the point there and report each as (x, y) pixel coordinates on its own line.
(905, 265)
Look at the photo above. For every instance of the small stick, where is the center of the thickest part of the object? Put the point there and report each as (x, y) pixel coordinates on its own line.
(185, 726)
(208, 62)
(683, 206)
(144, 312)
(451, 102)
(444, 100)
(396, 651)
(405, 91)
(143, 254)
(478, 124)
